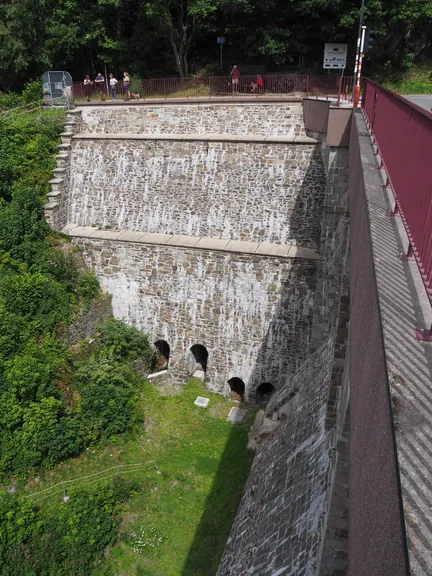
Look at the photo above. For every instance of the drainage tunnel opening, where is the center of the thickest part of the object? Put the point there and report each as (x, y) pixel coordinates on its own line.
(161, 356)
(200, 355)
(263, 392)
(237, 386)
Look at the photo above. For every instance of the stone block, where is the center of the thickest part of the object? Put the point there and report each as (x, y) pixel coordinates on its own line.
(269, 249)
(130, 236)
(183, 240)
(82, 231)
(306, 253)
(155, 238)
(242, 246)
(107, 234)
(212, 243)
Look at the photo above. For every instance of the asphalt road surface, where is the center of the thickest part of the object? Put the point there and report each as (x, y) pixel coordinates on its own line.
(423, 100)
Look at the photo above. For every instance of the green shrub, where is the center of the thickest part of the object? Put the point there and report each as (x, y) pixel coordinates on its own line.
(124, 342)
(62, 539)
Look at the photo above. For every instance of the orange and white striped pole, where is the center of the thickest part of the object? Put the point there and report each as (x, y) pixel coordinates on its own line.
(360, 60)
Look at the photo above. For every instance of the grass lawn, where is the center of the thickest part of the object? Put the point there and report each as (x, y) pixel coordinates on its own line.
(178, 524)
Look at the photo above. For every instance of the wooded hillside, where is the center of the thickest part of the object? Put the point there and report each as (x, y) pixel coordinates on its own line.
(153, 38)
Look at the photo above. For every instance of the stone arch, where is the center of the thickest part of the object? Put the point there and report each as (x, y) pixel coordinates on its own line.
(161, 357)
(237, 385)
(199, 357)
(263, 392)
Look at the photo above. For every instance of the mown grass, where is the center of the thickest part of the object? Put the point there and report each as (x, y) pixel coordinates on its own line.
(177, 525)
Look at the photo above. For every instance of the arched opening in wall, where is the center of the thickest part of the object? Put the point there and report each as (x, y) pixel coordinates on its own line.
(161, 356)
(263, 392)
(199, 357)
(237, 386)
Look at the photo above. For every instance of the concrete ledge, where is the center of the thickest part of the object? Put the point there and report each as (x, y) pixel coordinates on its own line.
(200, 243)
(202, 137)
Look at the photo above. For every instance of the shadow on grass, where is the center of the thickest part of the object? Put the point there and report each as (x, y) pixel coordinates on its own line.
(221, 506)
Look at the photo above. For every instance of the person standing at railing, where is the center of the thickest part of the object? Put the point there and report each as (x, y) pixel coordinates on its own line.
(100, 81)
(126, 86)
(235, 77)
(113, 86)
(87, 88)
(260, 84)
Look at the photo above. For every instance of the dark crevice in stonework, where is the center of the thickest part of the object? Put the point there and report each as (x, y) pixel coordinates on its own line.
(161, 357)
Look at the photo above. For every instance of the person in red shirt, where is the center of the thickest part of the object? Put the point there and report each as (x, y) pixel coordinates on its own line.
(235, 75)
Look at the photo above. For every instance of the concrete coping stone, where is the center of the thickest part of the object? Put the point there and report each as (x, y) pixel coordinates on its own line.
(64, 146)
(62, 155)
(53, 194)
(51, 205)
(59, 170)
(204, 243)
(204, 137)
(56, 181)
(66, 133)
(204, 101)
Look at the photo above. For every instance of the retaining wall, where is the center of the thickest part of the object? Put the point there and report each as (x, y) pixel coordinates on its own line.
(277, 119)
(251, 311)
(257, 191)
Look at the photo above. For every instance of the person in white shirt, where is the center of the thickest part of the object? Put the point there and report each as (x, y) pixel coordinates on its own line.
(113, 86)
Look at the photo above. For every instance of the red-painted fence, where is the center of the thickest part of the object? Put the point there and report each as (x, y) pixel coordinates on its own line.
(269, 85)
(403, 136)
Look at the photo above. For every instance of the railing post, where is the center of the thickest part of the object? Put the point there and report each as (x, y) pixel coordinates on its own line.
(340, 89)
(307, 85)
(165, 88)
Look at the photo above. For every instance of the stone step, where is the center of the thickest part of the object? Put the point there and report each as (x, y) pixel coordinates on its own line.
(55, 194)
(56, 184)
(64, 146)
(59, 171)
(66, 137)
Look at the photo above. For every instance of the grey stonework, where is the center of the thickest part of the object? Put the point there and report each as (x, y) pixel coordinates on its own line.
(279, 523)
(252, 313)
(257, 192)
(281, 119)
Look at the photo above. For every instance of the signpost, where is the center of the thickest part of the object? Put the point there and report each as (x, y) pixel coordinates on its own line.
(335, 56)
(221, 42)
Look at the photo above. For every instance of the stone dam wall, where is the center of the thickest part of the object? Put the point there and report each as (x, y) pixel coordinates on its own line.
(224, 225)
(252, 312)
(254, 191)
(270, 119)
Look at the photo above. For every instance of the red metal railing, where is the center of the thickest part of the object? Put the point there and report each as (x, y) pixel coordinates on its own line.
(403, 136)
(345, 92)
(339, 87)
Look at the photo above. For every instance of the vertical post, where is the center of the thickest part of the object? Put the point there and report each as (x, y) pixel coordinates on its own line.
(357, 88)
(340, 88)
(358, 46)
(165, 88)
(221, 56)
(307, 84)
(106, 81)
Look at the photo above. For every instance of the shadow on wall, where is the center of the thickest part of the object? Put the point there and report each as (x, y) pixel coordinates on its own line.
(213, 530)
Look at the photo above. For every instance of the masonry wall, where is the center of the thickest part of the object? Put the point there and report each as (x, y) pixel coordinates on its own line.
(245, 191)
(279, 522)
(252, 313)
(277, 119)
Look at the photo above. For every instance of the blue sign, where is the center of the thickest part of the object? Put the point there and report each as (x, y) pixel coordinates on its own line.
(221, 40)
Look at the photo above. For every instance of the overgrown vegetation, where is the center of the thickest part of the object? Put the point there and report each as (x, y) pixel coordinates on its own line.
(53, 401)
(61, 398)
(62, 539)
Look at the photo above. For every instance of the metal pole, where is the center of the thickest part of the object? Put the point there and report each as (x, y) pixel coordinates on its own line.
(106, 80)
(221, 57)
(357, 88)
(358, 46)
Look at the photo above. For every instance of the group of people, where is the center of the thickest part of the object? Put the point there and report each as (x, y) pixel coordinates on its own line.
(100, 83)
(256, 87)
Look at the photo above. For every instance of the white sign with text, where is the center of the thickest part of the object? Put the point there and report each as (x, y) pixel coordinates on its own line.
(335, 56)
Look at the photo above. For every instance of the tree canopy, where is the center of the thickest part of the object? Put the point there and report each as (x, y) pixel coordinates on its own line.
(152, 38)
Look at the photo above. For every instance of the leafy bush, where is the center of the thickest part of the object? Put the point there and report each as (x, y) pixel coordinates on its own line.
(63, 539)
(123, 342)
